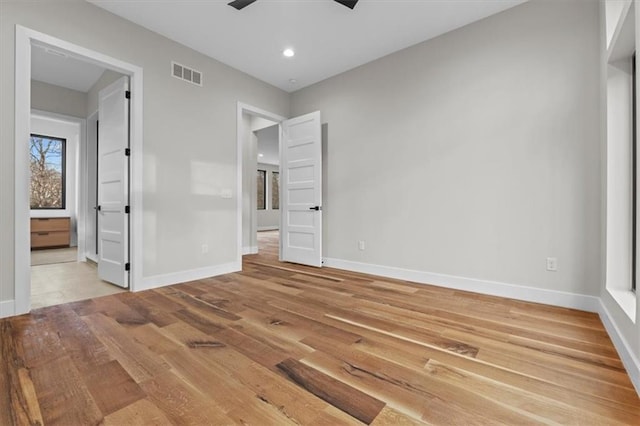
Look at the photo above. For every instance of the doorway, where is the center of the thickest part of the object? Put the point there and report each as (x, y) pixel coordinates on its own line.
(251, 123)
(58, 272)
(26, 40)
(268, 185)
(299, 175)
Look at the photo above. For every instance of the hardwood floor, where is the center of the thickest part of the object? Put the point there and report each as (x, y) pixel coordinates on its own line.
(283, 344)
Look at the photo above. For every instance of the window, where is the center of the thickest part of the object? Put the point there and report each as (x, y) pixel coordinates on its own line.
(47, 189)
(275, 190)
(262, 189)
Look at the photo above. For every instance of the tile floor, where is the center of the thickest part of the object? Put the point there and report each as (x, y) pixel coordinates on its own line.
(58, 283)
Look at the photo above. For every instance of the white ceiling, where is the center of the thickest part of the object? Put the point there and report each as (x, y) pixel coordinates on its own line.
(50, 67)
(328, 38)
(268, 145)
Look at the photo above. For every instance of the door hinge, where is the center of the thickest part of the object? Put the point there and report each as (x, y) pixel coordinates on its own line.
(127, 94)
(127, 266)
(127, 152)
(127, 209)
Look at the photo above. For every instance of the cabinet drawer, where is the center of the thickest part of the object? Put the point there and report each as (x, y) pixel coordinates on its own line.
(49, 239)
(50, 224)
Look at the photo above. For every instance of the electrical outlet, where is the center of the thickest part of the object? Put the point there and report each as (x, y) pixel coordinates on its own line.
(205, 248)
(552, 264)
(361, 245)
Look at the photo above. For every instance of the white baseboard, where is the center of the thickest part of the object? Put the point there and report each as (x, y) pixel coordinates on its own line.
(493, 288)
(630, 361)
(156, 281)
(268, 228)
(250, 250)
(7, 308)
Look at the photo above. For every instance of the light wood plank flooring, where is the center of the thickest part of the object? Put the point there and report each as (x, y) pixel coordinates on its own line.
(282, 344)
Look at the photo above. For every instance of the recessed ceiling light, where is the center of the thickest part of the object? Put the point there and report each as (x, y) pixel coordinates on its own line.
(293, 81)
(288, 53)
(260, 155)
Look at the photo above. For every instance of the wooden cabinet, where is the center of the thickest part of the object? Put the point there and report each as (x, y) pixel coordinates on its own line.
(50, 232)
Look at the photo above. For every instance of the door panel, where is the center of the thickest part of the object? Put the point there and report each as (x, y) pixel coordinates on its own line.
(113, 184)
(301, 165)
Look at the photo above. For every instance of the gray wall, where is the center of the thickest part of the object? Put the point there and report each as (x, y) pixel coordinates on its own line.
(475, 154)
(47, 97)
(105, 79)
(189, 131)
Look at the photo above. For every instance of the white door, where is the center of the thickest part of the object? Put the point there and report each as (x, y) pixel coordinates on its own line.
(113, 183)
(301, 190)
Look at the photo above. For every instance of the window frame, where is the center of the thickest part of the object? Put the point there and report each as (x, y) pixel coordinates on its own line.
(264, 190)
(275, 173)
(63, 166)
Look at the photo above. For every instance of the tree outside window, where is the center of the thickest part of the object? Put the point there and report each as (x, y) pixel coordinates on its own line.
(47, 172)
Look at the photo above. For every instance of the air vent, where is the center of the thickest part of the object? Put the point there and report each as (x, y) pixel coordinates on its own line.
(186, 73)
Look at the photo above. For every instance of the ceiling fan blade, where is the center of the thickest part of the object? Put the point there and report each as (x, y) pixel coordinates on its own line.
(241, 4)
(349, 3)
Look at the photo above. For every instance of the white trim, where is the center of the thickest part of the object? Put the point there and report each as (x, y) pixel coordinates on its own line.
(629, 360)
(250, 250)
(84, 207)
(251, 110)
(7, 308)
(157, 281)
(24, 38)
(22, 268)
(493, 288)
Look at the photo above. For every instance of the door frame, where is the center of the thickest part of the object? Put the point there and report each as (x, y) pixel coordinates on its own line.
(24, 38)
(86, 210)
(243, 108)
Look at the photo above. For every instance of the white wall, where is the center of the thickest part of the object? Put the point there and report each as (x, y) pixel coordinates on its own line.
(473, 155)
(189, 136)
(269, 145)
(619, 84)
(47, 126)
(268, 219)
(47, 97)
